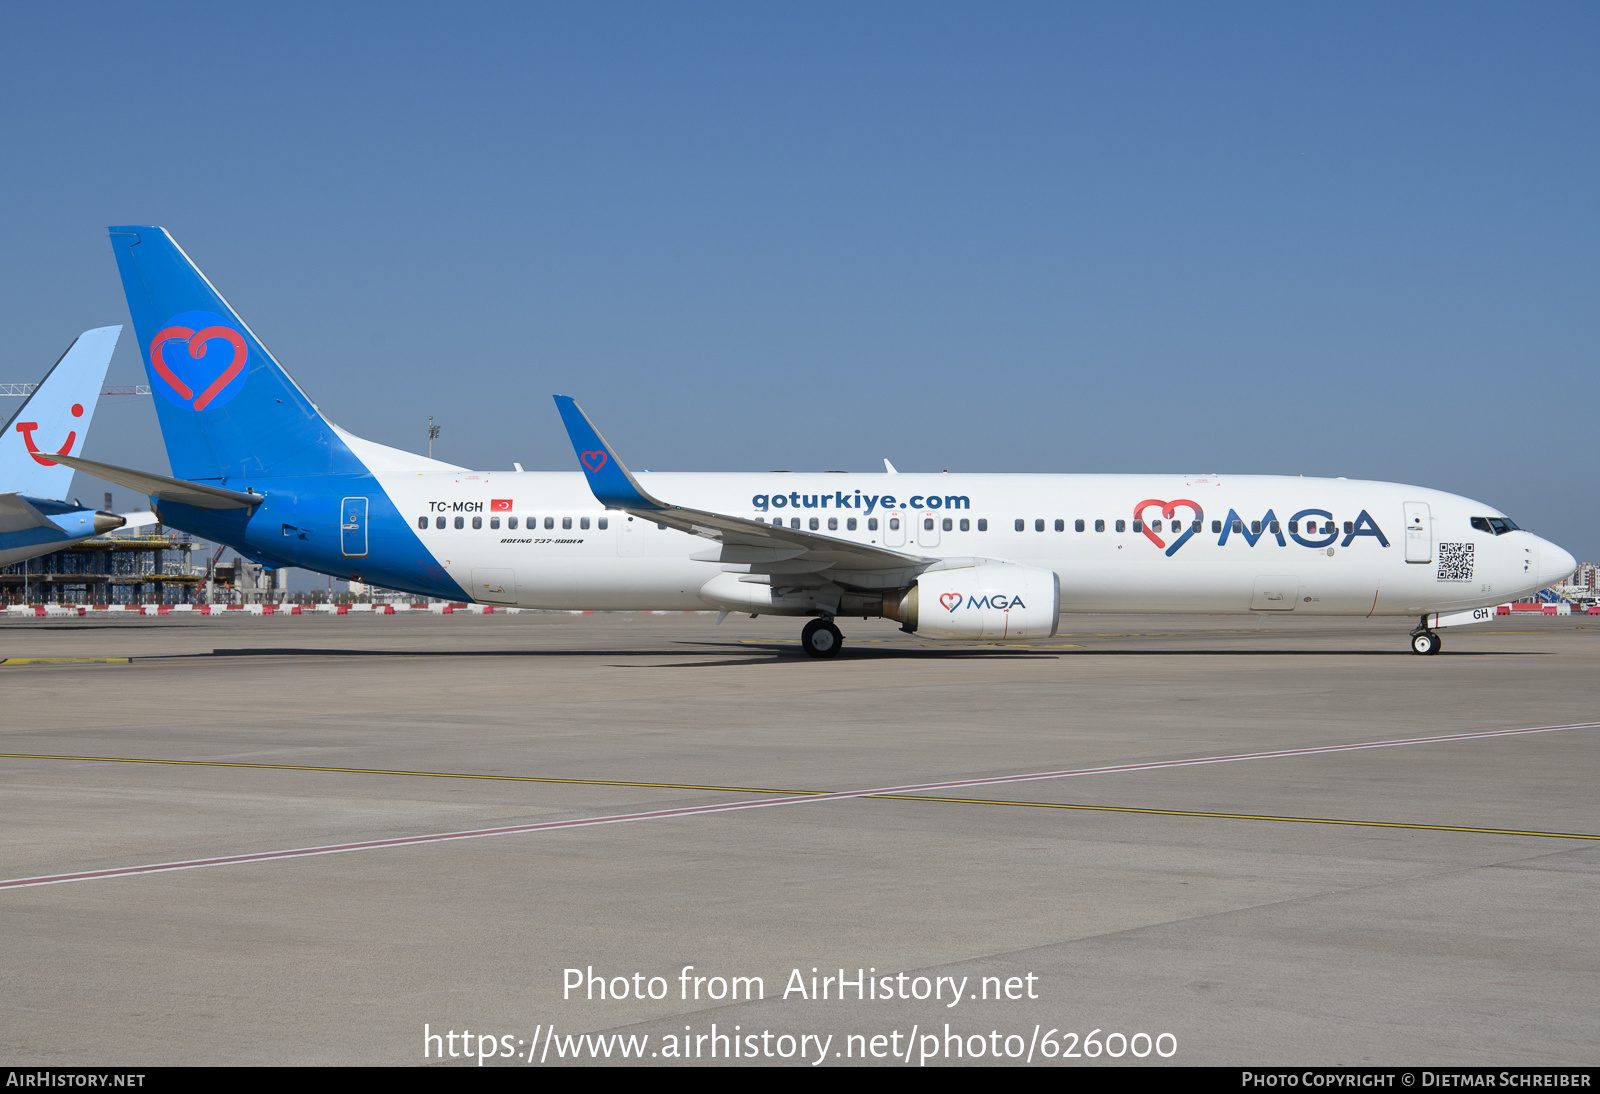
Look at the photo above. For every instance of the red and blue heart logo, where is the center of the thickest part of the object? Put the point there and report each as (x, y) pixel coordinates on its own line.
(594, 461)
(951, 601)
(198, 360)
(1168, 509)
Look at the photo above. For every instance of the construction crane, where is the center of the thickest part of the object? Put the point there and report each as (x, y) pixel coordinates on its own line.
(21, 390)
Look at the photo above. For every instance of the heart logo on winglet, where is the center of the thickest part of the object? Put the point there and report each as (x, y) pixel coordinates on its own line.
(594, 461)
(951, 601)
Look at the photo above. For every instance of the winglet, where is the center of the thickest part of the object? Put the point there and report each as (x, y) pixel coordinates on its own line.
(612, 483)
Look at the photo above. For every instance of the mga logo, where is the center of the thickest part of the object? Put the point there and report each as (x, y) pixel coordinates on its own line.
(1318, 531)
(500, 505)
(594, 461)
(27, 428)
(1001, 601)
(197, 360)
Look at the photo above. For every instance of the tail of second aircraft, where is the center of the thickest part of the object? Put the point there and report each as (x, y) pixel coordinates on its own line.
(227, 409)
(55, 419)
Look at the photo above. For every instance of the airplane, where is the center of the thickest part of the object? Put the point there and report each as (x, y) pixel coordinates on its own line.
(986, 557)
(50, 424)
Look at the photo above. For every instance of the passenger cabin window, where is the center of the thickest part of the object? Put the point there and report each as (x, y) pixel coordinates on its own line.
(894, 524)
(1216, 526)
(1274, 527)
(511, 523)
(603, 523)
(1238, 526)
(1155, 526)
(948, 524)
(850, 524)
(966, 525)
(461, 522)
(983, 524)
(927, 524)
(1122, 526)
(1255, 527)
(583, 522)
(549, 522)
(566, 522)
(494, 522)
(1061, 525)
(1020, 524)
(813, 524)
(1138, 526)
(1294, 526)
(1349, 527)
(1077, 525)
(439, 522)
(477, 522)
(833, 524)
(1099, 526)
(422, 522)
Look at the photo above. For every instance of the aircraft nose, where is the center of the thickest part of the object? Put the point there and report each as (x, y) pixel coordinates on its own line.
(1555, 563)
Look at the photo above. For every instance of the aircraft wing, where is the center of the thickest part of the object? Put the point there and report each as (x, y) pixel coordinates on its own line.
(767, 548)
(160, 488)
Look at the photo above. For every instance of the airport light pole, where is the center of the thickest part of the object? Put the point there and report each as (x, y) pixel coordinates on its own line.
(433, 431)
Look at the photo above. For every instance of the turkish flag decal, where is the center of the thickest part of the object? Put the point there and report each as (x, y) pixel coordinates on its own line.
(500, 505)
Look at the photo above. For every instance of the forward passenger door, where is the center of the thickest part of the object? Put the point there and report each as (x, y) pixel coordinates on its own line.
(1419, 532)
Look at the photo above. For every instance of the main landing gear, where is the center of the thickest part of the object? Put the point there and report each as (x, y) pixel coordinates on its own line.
(821, 638)
(1425, 642)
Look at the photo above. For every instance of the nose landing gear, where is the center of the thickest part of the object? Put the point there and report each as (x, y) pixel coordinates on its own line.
(821, 638)
(1425, 642)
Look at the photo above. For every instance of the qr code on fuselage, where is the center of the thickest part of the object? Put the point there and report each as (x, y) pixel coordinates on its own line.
(1455, 561)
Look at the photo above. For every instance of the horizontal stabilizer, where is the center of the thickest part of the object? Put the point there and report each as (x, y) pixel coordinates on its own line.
(17, 514)
(160, 488)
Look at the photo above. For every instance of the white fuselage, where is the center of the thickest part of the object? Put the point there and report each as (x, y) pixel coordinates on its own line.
(1332, 560)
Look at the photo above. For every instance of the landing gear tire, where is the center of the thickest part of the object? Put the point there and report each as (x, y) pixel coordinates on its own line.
(821, 638)
(1425, 642)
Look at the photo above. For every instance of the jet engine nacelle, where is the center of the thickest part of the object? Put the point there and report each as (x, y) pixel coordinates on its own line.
(989, 600)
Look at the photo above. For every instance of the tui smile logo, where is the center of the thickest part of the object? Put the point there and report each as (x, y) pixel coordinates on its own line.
(198, 361)
(27, 428)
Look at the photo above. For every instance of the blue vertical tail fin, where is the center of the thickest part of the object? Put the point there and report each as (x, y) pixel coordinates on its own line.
(227, 409)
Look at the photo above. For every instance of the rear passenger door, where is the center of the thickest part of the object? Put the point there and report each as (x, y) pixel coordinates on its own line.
(353, 527)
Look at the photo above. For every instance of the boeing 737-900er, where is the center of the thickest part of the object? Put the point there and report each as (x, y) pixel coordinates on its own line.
(50, 425)
(255, 465)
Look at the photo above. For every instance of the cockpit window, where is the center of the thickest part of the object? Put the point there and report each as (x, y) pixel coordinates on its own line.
(1496, 525)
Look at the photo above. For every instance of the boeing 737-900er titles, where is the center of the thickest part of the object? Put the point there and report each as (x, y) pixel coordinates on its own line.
(255, 465)
(50, 425)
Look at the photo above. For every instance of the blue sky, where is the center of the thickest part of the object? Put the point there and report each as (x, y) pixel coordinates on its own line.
(1327, 240)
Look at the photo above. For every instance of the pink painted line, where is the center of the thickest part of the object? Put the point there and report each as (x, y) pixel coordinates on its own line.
(763, 803)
